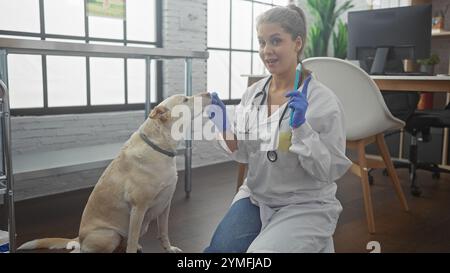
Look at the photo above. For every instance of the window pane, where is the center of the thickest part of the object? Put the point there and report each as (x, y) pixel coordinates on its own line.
(64, 17)
(106, 43)
(141, 19)
(258, 9)
(258, 65)
(20, 15)
(136, 78)
(404, 3)
(101, 27)
(107, 81)
(141, 45)
(66, 81)
(240, 66)
(241, 30)
(219, 23)
(218, 73)
(25, 81)
(65, 40)
(136, 81)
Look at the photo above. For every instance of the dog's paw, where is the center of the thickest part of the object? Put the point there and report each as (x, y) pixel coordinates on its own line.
(139, 249)
(173, 249)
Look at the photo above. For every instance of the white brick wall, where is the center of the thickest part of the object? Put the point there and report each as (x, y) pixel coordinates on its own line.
(50, 133)
(184, 28)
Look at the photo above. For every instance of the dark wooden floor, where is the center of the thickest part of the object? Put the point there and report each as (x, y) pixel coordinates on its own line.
(424, 229)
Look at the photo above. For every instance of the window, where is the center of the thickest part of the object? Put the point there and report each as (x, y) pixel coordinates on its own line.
(136, 81)
(382, 4)
(25, 78)
(232, 44)
(140, 15)
(219, 72)
(20, 15)
(105, 27)
(66, 81)
(107, 81)
(64, 17)
(41, 84)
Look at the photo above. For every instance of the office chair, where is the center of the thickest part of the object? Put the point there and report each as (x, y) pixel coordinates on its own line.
(402, 105)
(418, 125)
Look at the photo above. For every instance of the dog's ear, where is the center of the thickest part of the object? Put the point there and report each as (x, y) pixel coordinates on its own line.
(160, 112)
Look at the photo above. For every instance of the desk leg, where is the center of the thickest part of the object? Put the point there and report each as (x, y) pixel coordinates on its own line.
(402, 139)
(445, 144)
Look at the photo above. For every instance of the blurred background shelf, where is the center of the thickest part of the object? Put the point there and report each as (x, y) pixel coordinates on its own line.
(445, 33)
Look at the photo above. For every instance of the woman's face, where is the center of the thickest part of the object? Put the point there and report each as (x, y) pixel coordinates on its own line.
(277, 49)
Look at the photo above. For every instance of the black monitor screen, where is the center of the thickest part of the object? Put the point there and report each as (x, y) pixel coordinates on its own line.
(403, 33)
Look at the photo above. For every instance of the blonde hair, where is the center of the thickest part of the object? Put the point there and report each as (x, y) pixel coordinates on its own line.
(291, 18)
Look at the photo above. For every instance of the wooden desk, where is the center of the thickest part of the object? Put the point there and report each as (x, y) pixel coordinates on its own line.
(435, 84)
(397, 83)
(413, 83)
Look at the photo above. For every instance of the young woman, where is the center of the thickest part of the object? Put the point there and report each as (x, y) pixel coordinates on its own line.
(287, 202)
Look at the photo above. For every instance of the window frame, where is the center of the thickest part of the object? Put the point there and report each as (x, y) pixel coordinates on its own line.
(230, 49)
(46, 110)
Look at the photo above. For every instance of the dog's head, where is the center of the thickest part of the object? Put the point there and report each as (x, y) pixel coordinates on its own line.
(163, 112)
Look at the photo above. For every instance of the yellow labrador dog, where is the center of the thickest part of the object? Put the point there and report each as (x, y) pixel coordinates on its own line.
(135, 188)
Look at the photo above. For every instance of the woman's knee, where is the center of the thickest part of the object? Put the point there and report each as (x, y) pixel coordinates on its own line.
(302, 244)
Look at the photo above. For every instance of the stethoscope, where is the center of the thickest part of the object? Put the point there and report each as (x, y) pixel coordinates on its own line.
(272, 156)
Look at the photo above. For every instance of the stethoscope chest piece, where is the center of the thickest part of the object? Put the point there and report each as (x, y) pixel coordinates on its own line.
(272, 156)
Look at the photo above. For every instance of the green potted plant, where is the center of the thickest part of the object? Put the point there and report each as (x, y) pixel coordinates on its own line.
(327, 13)
(340, 40)
(427, 65)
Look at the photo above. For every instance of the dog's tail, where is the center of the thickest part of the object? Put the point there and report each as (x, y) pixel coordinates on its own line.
(52, 243)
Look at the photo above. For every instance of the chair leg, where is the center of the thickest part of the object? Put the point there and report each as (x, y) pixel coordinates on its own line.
(391, 170)
(241, 175)
(362, 162)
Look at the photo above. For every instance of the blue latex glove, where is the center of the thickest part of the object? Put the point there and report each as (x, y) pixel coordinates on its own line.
(217, 112)
(298, 103)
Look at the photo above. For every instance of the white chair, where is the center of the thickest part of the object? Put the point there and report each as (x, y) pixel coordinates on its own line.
(366, 118)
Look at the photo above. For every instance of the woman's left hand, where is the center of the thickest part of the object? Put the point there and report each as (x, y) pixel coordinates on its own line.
(298, 103)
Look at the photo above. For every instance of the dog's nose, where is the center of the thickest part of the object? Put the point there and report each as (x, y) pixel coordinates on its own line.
(205, 95)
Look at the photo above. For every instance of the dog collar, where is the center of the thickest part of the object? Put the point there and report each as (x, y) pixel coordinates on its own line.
(156, 147)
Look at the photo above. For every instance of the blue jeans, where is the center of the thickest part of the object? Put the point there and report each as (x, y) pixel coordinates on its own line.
(237, 230)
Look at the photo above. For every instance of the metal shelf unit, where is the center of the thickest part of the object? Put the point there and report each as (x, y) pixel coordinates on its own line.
(24, 46)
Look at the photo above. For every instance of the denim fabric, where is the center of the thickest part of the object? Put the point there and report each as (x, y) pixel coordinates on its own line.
(237, 230)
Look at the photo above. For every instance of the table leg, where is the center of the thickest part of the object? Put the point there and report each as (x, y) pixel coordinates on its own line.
(445, 144)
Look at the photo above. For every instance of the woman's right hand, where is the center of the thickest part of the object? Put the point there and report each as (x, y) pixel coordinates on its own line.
(217, 112)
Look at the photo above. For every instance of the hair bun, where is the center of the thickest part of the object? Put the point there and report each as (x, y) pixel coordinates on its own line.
(297, 9)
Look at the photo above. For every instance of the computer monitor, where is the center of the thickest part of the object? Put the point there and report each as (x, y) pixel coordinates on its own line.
(380, 39)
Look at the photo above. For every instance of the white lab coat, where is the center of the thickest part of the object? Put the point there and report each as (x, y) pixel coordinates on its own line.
(296, 193)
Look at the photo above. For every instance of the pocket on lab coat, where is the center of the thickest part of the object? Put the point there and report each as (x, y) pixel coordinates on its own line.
(253, 147)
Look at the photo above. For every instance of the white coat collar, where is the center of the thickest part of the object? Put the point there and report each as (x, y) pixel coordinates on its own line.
(275, 117)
